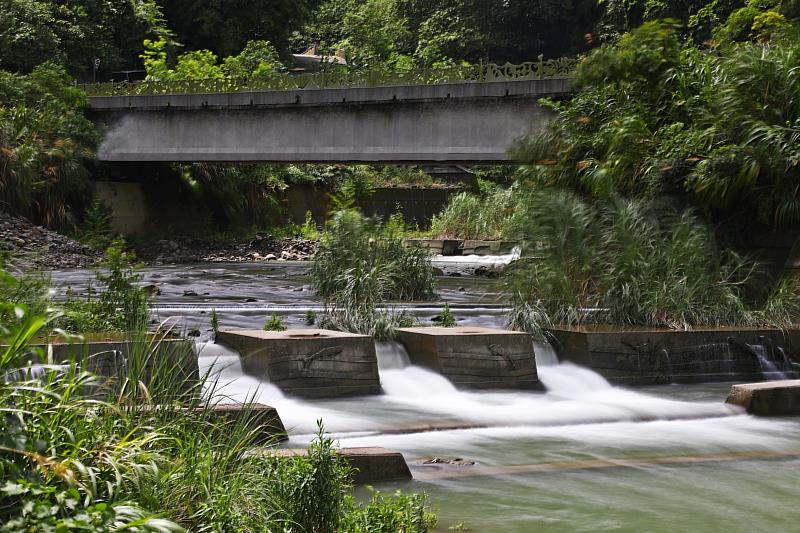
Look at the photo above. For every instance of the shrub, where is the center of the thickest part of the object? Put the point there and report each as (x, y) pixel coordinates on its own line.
(367, 259)
(96, 227)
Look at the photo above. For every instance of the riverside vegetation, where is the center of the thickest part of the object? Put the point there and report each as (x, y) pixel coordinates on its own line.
(81, 453)
(362, 263)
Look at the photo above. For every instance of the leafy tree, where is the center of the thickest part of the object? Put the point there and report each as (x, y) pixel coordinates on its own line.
(258, 59)
(654, 117)
(225, 26)
(75, 32)
(45, 146)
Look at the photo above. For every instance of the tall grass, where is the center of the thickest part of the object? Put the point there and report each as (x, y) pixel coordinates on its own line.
(468, 216)
(617, 262)
(362, 263)
(145, 452)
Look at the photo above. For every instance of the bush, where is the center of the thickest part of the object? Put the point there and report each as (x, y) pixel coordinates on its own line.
(367, 259)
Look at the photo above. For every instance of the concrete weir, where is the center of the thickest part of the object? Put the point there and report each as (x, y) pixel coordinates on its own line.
(370, 465)
(310, 363)
(474, 357)
(771, 398)
(640, 356)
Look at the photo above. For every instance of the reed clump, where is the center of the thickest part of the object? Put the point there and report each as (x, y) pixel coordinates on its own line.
(362, 263)
(485, 216)
(621, 262)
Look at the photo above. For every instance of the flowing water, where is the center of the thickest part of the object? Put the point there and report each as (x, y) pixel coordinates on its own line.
(584, 456)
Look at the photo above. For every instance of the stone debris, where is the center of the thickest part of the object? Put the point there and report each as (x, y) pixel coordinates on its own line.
(456, 461)
(40, 247)
(197, 250)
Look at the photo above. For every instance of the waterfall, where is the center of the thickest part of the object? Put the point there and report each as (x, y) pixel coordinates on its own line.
(545, 354)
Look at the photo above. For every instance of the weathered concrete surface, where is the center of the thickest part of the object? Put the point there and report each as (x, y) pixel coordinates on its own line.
(447, 123)
(370, 465)
(311, 363)
(258, 417)
(639, 356)
(474, 357)
(127, 203)
(772, 398)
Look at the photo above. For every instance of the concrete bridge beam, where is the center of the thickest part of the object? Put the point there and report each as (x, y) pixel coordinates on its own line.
(449, 123)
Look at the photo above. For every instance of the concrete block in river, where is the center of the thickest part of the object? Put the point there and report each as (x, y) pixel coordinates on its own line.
(370, 465)
(771, 398)
(638, 356)
(263, 419)
(474, 357)
(311, 363)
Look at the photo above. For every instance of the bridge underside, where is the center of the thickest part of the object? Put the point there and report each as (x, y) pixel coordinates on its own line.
(427, 132)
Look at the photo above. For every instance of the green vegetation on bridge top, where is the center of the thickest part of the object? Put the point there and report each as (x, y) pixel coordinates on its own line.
(340, 77)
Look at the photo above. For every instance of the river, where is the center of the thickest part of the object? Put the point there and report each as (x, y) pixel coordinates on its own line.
(585, 456)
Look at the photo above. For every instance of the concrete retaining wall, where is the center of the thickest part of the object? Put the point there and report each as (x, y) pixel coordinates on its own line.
(645, 356)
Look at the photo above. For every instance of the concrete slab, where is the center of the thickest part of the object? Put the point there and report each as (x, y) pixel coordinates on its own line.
(310, 363)
(641, 356)
(770, 398)
(474, 357)
(370, 465)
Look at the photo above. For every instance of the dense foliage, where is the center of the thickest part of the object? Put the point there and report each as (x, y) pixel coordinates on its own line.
(77, 453)
(620, 262)
(45, 146)
(658, 118)
(469, 216)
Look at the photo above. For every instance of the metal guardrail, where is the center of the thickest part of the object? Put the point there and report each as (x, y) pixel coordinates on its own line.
(555, 68)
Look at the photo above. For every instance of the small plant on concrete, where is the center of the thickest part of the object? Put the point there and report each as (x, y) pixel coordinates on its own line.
(311, 317)
(214, 322)
(275, 324)
(446, 318)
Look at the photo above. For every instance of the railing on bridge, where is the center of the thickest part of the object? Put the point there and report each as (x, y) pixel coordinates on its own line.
(555, 68)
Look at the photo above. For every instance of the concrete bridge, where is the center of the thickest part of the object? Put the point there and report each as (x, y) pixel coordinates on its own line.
(466, 122)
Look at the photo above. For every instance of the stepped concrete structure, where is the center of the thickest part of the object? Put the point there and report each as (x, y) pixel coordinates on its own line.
(464, 122)
(770, 398)
(310, 363)
(474, 357)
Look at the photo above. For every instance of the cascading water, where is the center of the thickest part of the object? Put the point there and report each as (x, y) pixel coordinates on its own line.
(769, 369)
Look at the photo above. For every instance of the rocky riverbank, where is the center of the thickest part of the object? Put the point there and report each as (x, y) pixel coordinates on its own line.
(33, 246)
(195, 250)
